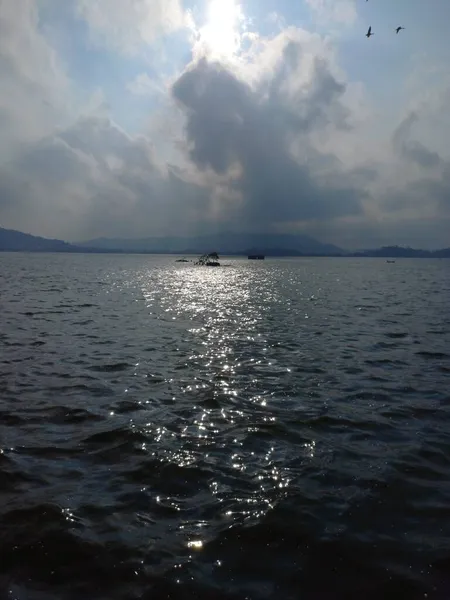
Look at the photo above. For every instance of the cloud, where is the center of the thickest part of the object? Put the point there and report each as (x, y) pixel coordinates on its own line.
(274, 137)
(261, 135)
(93, 179)
(411, 149)
(34, 87)
(412, 189)
(143, 85)
(126, 25)
(252, 161)
(368, 232)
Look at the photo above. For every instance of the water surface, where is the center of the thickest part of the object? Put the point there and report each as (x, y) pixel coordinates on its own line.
(268, 430)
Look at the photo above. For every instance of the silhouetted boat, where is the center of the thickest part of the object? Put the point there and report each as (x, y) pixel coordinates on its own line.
(256, 257)
(390, 261)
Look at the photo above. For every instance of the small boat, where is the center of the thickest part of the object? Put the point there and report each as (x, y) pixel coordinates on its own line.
(390, 261)
(256, 257)
(182, 260)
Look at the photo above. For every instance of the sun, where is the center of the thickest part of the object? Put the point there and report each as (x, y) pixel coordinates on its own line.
(221, 34)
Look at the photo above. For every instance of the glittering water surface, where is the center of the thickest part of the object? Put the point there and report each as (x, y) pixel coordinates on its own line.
(271, 430)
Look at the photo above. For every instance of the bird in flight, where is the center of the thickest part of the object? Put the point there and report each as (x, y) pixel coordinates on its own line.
(369, 32)
(399, 29)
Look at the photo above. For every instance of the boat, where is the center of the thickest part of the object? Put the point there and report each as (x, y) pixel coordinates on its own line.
(390, 261)
(182, 260)
(256, 257)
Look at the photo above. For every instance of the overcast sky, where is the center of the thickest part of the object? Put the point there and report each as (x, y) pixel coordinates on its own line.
(128, 118)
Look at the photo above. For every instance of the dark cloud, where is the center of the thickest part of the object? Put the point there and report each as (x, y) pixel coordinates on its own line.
(435, 190)
(230, 123)
(431, 189)
(411, 149)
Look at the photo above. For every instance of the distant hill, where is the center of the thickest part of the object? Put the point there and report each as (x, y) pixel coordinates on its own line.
(444, 253)
(16, 241)
(402, 252)
(224, 243)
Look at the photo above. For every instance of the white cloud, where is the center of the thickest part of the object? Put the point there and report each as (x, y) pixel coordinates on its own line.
(143, 85)
(127, 24)
(34, 89)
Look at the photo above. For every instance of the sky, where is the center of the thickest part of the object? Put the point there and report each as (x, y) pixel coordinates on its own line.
(136, 118)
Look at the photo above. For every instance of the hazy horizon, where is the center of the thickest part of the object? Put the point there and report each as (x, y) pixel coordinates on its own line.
(151, 118)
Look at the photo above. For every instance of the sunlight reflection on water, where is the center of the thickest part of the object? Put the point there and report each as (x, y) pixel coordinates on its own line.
(225, 314)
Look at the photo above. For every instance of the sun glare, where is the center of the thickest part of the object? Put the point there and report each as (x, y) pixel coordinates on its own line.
(221, 32)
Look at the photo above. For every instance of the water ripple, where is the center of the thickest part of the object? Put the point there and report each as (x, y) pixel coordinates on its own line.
(265, 431)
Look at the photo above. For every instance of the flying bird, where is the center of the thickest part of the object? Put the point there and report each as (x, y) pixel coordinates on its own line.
(399, 29)
(369, 32)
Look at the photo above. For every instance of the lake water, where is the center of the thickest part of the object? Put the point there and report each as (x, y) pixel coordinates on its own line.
(266, 430)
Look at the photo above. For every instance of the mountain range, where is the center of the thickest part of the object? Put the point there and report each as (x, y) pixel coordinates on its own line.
(16, 241)
(224, 243)
(240, 244)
